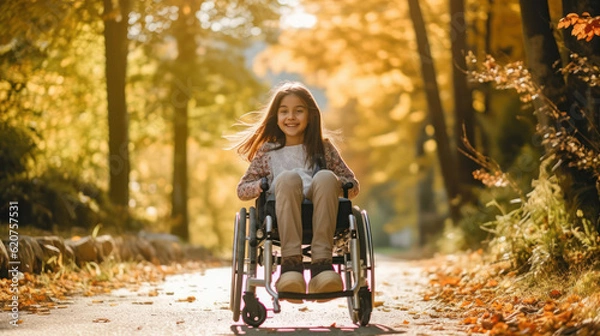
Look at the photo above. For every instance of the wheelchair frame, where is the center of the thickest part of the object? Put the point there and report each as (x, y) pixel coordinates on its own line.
(253, 243)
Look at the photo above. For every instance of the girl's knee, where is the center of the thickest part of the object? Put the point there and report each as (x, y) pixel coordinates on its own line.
(326, 177)
(288, 179)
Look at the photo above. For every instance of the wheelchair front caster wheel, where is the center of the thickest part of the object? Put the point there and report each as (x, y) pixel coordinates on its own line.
(254, 317)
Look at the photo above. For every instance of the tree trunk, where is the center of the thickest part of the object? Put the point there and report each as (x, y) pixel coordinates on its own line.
(181, 94)
(428, 219)
(116, 50)
(463, 101)
(579, 187)
(436, 112)
(583, 107)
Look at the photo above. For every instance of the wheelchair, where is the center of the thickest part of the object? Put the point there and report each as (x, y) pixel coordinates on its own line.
(256, 241)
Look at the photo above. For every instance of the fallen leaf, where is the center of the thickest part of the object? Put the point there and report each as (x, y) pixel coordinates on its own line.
(187, 299)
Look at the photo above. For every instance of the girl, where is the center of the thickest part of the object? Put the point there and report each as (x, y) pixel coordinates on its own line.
(287, 147)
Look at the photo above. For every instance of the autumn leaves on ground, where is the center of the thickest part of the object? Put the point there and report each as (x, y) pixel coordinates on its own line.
(492, 298)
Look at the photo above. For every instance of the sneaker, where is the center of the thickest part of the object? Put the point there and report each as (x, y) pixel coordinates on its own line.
(292, 282)
(292, 277)
(326, 282)
(324, 279)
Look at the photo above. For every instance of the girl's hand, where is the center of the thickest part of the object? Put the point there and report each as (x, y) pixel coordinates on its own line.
(263, 184)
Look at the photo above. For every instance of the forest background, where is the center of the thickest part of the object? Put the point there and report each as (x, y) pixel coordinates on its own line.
(117, 112)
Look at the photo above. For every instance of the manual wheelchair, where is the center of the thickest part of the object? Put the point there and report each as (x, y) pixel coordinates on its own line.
(256, 240)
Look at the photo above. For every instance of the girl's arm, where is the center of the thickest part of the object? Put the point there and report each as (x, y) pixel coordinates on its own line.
(249, 186)
(336, 164)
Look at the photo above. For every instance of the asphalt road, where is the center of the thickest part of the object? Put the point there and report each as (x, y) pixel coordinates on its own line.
(198, 304)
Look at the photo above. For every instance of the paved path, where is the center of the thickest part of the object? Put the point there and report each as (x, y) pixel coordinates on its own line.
(198, 304)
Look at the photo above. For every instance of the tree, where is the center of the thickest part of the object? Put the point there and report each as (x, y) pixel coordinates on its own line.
(573, 100)
(116, 20)
(445, 152)
(184, 74)
(582, 105)
(464, 118)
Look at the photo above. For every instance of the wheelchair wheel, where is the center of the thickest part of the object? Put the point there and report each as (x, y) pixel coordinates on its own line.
(254, 317)
(370, 254)
(237, 267)
(362, 316)
(366, 294)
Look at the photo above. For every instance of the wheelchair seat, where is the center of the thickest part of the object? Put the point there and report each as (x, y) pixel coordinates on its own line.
(342, 221)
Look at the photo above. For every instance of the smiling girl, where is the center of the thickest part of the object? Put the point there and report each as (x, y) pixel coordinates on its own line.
(288, 148)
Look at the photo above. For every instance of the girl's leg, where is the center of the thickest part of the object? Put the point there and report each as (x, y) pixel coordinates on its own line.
(288, 203)
(324, 192)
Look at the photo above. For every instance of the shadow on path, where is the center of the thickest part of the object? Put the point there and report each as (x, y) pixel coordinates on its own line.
(370, 330)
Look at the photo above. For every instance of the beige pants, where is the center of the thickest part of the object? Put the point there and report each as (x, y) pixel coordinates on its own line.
(323, 192)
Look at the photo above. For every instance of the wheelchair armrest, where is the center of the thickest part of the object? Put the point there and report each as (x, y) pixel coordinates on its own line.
(262, 198)
(347, 186)
(264, 184)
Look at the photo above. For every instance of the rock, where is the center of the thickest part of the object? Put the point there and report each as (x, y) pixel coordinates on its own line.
(106, 246)
(123, 251)
(3, 261)
(50, 257)
(167, 251)
(146, 249)
(134, 248)
(84, 249)
(30, 255)
(46, 242)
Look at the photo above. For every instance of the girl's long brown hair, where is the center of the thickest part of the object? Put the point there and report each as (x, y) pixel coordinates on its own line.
(266, 129)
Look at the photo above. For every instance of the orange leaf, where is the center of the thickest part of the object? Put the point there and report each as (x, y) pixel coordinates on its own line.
(492, 283)
(452, 281)
(470, 320)
(562, 23)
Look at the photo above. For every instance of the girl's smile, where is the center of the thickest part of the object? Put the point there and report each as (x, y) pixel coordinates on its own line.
(292, 119)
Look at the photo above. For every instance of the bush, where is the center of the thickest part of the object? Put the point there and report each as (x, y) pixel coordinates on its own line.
(540, 236)
(53, 200)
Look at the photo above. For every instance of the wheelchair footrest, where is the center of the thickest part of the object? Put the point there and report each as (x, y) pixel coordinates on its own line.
(314, 297)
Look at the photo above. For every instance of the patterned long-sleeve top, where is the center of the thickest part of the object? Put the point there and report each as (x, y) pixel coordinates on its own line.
(261, 166)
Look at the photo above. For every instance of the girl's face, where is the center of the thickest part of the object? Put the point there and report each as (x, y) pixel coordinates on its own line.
(292, 119)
